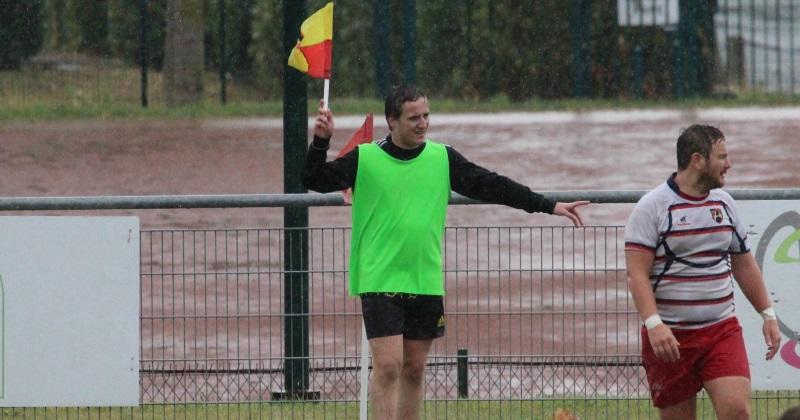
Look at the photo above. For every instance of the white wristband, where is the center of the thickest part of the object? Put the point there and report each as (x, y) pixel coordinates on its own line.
(768, 314)
(652, 321)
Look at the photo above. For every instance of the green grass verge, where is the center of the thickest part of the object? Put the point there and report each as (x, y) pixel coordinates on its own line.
(766, 405)
(114, 93)
(356, 106)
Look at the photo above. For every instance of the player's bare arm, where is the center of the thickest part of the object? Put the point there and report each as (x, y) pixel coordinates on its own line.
(748, 276)
(639, 264)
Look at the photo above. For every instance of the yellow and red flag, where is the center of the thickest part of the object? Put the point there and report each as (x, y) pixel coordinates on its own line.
(313, 53)
(363, 135)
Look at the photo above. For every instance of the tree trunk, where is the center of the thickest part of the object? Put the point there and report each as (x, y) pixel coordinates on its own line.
(60, 8)
(183, 52)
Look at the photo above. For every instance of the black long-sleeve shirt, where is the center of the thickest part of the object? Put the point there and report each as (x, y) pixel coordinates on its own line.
(466, 178)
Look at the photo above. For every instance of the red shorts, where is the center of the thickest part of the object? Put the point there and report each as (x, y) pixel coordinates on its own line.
(707, 353)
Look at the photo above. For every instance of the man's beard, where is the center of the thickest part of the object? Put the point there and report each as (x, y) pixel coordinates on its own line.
(708, 182)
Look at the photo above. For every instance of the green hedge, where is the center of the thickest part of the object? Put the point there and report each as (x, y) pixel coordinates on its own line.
(21, 31)
(470, 49)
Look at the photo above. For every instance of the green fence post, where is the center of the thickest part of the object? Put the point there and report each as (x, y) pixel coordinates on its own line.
(468, 44)
(580, 21)
(462, 362)
(295, 220)
(223, 62)
(143, 50)
(638, 72)
(690, 66)
(791, 49)
(677, 65)
(493, 82)
(410, 41)
(382, 57)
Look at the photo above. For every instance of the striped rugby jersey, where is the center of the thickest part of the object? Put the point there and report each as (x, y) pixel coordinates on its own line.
(692, 239)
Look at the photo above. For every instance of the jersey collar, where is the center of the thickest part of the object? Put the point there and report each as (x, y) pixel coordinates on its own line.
(674, 186)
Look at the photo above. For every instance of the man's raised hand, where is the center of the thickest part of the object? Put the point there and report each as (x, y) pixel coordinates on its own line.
(323, 127)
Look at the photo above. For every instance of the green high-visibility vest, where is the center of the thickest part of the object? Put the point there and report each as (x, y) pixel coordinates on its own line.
(399, 210)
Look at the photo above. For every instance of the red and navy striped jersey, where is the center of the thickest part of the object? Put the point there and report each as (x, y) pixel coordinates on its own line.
(692, 239)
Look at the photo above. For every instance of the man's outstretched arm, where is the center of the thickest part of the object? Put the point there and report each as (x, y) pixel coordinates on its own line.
(474, 181)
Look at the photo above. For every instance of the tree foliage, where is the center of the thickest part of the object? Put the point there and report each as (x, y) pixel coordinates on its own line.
(464, 48)
(125, 26)
(92, 19)
(21, 33)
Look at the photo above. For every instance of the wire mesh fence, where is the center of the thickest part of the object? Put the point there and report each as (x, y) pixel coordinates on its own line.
(750, 46)
(539, 314)
(538, 319)
(540, 311)
(758, 44)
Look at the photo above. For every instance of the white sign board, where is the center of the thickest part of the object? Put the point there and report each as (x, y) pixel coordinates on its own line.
(774, 238)
(647, 12)
(70, 311)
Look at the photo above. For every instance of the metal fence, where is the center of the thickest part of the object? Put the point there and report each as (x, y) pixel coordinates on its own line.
(754, 49)
(542, 312)
(744, 46)
(758, 44)
(538, 319)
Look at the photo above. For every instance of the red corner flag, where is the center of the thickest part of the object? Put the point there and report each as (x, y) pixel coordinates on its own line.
(314, 50)
(362, 135)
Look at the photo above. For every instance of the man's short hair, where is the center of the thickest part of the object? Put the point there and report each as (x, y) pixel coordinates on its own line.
(697, 139)
(791, 414)
(398, 96)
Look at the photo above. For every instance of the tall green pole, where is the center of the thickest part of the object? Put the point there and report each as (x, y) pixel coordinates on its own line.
(580, 22)
(638, 71)
(410, 41)
(223, 55)
(470, 49)
(690, 44)
(493, 83)
(295, 220)
(143, 50)
(678, 81)
(382, 57)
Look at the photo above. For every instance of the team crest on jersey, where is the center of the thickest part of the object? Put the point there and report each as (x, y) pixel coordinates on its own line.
(716, 214)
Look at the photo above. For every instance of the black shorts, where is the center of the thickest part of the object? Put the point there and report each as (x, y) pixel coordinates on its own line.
(415, 317)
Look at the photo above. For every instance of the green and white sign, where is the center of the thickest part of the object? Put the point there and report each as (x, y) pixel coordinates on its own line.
(2, 339)
(69, 315)
(774, 239)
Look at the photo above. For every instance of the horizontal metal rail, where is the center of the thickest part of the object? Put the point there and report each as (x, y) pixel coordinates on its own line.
(318, 200)
(633, 360)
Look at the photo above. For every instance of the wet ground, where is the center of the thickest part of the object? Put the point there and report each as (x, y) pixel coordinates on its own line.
(524, 292)
(547, 151)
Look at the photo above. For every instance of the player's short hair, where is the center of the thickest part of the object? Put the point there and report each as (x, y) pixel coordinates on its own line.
(791, 414)
(398, 96)
(697, 138)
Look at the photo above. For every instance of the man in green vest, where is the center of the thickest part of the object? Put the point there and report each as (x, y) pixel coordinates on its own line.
(401, 187)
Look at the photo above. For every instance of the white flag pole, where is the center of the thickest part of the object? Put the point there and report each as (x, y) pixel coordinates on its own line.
(325, 94)
(363, 394)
